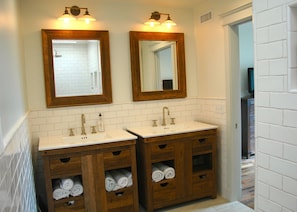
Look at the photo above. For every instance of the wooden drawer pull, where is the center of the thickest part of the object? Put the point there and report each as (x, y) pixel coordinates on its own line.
(162, 146)
(202, 140)
(65, 160)
(163, 184)
(203, 176)
(115, 153)
(119, 194)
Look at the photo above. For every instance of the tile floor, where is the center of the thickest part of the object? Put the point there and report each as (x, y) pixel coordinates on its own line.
(208, 205)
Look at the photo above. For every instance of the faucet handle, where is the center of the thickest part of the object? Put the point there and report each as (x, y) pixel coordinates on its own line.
(172, 121)
(71, 133)
(93, 129)
(155, 123)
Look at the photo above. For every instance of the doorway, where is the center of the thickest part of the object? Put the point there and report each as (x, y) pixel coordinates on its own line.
(231, 21)
(246, 72)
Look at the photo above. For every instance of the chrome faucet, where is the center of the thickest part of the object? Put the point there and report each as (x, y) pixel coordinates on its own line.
(164, 120)
(83, 121)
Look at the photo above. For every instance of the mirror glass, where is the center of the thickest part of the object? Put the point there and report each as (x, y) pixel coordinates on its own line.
(158, 68)
(157, 65)
(76, 67)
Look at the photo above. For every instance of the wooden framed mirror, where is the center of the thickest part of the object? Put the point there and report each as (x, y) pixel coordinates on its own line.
(76, 67)
(157, 65)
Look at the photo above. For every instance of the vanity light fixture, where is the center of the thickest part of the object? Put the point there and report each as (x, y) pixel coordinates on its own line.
(75, 11)
(155, 17)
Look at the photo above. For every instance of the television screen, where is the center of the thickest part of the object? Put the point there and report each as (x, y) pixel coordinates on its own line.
(251, 80)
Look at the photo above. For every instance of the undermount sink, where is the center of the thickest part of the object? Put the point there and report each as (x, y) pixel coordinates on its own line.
(58, 142)
(190, 126)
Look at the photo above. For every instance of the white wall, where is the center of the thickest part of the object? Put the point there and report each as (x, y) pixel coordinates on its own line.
(17, 190)
(12, 104)
(119, 19)
(210, 47)
(276, 110)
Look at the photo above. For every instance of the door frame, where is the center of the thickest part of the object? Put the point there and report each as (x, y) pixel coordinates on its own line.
(230, 21)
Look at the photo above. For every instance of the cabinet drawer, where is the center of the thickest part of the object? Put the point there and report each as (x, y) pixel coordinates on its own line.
(117, 158)
(202, 144)
(162, 151)
(205, 189)
(65, 165)
(202, 177)
(120, 199)
(163, 192)
(69, 205)
(204, 184)
(123, 209)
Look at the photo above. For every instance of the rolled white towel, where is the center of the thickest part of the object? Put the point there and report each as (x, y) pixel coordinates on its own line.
(121, 180)
(67, 183)
(169, 172)
(58, 192)
(157, 174)
(117, 187)
(128, 174)
(77, 188)
(110, 182)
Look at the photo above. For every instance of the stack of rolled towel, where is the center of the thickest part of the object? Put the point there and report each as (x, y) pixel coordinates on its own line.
(161, 171)
(64, 187)
(117, 179)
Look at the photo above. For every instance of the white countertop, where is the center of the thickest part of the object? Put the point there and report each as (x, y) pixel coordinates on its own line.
(59, 142)
(186, 127)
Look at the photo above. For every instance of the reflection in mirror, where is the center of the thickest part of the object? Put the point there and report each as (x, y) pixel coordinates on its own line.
(76, 67)
(157, 65)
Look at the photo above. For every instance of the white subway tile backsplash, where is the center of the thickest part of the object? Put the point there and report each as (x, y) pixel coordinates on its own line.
(269, 17)
(263, 160)
(290, 118)
(263, 130)
(260, 6)
(290, 185)
(276, 108)
(263, 189)
(286, 200)
(277, 32)
(278, 66)
(283, 167)
(284, 101)
(270, 116)
(263, 99)
(262, 35)
(283, 134)
(270, 178)
(265, 205)
(268, 51)
(272, 83)
(275, 3)
(290, 152)
(262, 68)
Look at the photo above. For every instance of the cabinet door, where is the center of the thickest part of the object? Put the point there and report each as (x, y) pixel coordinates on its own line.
(167, 191)
(57, 169)
(118, 159)
(203, 166)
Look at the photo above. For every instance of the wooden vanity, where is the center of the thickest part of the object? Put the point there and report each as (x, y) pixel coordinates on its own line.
(192, 153)
(90, 161)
